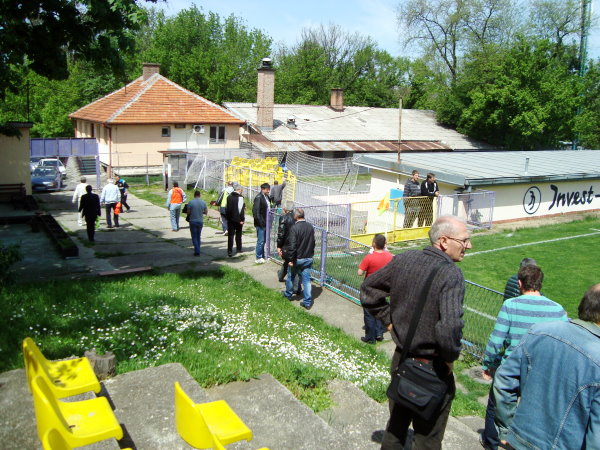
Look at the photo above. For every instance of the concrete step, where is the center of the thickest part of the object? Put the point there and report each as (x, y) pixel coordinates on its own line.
(363, 420)
(277, 419)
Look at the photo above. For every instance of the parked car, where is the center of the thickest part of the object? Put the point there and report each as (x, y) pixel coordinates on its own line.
(54, 162)
(33, 163)
(46, 179)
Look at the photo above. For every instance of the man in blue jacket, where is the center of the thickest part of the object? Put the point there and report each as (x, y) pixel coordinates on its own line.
(548, 390)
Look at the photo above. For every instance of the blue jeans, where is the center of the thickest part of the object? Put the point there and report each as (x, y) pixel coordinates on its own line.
(302, 269)
(373, 327)
(223, 212)
(174, 211)
(260, 242)
(490, 432)
(195, 231)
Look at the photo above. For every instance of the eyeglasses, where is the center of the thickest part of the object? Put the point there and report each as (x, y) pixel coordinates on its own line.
(463, 242)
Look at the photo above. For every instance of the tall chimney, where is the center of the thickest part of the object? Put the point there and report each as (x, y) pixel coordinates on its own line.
(149, 69)
(265, 94)
(337, 99)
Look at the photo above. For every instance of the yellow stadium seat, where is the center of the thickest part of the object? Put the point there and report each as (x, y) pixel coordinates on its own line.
(207, 425)
(79, 423)
(53, 440)
(65, 378)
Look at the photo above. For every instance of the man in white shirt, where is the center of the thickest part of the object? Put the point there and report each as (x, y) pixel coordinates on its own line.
(109, 198)
(79, 191)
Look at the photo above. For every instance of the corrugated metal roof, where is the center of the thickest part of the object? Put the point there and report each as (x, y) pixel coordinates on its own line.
(266, 145)
(354, 123)
(156, 100)
(488, 168)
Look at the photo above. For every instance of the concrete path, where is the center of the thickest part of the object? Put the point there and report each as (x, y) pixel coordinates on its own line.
(145, 238)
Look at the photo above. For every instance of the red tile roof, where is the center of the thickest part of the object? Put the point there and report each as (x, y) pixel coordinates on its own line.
(156, 100)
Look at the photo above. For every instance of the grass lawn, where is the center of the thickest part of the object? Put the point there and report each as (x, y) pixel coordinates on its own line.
(222, 326)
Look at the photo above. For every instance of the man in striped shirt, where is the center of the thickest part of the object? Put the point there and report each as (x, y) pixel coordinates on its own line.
(514, 319)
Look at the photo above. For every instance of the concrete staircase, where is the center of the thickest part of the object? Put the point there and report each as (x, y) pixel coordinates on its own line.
(143, 403)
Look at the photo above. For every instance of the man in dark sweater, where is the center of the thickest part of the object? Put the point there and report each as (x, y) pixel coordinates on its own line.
(430, 189)
(300, 250)
(438, 335)
(412, 188)
(286, 222)
(260, 209)
(235, 213)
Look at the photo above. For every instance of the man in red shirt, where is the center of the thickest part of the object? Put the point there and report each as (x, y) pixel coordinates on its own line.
(375, 260)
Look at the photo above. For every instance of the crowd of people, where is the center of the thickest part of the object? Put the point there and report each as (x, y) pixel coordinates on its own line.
(544, 367)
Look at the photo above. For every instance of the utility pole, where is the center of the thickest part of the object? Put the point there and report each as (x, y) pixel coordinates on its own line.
(583, 49)
(399, 129)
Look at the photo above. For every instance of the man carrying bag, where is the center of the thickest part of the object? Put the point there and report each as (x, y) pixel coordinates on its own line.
(426, 290)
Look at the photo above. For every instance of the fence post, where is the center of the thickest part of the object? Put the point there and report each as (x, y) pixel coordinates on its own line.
(270, 221)
(323, 256)
(204, 175)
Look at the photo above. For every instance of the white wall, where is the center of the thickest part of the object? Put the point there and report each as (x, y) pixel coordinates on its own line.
(515, 201)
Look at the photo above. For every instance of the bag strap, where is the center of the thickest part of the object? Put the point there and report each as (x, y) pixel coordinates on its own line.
(418, 311)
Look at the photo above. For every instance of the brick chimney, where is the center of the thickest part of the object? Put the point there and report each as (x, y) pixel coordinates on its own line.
(265, 94)
(149, 69)
(337, 99)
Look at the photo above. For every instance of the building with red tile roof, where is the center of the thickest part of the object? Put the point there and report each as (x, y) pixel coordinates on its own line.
(152, 116)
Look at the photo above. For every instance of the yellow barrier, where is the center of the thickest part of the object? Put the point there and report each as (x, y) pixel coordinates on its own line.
(254, 172)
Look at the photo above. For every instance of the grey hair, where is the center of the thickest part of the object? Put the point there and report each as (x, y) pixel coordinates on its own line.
(288, 205)
(444, 226)
(83, 179)
(299, 213)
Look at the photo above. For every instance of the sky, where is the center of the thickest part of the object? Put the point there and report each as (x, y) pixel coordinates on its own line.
(284, 21)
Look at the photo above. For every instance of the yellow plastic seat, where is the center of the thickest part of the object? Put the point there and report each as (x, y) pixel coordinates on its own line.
(79, 423)
(65, 378)
(53, 440)
(207, 425)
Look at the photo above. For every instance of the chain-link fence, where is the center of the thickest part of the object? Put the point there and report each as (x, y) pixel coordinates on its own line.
(477, 208)
(335, 266)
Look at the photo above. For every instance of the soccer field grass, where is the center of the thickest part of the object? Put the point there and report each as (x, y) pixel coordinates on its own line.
(566, 253)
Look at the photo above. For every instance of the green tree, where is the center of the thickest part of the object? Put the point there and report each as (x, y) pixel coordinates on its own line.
(587, 123)
(39, 34)
(526, 100)
(213, 57)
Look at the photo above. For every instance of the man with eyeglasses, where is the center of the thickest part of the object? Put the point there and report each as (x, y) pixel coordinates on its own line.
(438, 335)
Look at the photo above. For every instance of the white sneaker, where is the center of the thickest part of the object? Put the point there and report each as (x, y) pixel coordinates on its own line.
(260, 261)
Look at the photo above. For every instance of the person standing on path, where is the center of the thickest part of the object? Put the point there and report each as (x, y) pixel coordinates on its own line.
(276, 194)
(123, 186)
(89, 206)
(260, 209)
(196, 211)
(235, 219)
(222, 204)
(286, 222)
(548, 390)
(79, 192)
(516, 316)
(175, 198)
(300, 250)
(370, 264)
(437, 340)
(109, 197)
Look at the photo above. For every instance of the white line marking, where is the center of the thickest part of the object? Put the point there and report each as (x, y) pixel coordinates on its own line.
(475, 311)
(532, 243)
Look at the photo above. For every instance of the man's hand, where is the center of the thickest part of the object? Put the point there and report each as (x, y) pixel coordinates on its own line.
(390, 327)
(487, 375)
(291, 264)
(280, 252)
(241, 223)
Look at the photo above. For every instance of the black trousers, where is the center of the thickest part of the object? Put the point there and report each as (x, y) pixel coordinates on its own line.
(90, 226)
(234, 229)
(124, 202)
(427, 434)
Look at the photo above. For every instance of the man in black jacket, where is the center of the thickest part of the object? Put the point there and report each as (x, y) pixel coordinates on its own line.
(90, 205)
(260, 209)
(286, 222)
(300, 251)
(437, 338)
(235, 213)
(429, 188)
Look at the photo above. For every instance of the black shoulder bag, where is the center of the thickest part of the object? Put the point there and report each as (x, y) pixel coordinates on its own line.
(415, 385)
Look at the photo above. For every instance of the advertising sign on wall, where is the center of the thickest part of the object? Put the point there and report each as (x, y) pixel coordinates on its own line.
(551, 198)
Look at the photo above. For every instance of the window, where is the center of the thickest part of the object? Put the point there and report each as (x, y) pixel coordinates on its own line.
(180, 125)
(217, 134)
(165, 131)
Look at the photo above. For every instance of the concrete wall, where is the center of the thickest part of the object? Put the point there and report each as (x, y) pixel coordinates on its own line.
(127, 145)
(517, 201)
(14, 159)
